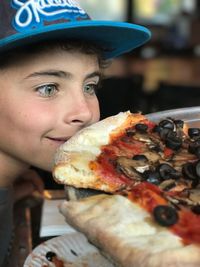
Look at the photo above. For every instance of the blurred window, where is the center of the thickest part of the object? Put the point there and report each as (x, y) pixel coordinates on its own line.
(105, 9)
(161, 11)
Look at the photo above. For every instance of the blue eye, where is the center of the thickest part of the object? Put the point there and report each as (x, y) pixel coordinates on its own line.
(47, 90)
(90, 88)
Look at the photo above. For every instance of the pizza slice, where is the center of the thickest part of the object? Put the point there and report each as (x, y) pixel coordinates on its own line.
(128, 235)
(72, 168)
(152, 174)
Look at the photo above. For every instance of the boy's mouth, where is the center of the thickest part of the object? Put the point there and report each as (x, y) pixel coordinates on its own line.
(60, 140)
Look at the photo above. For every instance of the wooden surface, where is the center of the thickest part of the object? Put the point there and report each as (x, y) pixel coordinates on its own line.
(26, 230)
(27, 219)
(22, 243)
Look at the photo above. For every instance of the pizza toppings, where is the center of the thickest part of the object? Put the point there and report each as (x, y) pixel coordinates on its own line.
(167, 185)
(166, 172)
(165, 215)
(151, 153)
(197, 169)
(154, 155)
(188, 227)
(194, 133)
(160, 156)
(174, 142)
(171, 133)
(179, 124)
(52, 257)
(130, 167)
(191, 171)
(196, 209)
(141, 127)
(168, 124)
(140, 157)
(169, 211)
(151, 177)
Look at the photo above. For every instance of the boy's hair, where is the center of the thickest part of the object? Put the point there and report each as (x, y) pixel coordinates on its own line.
(11, 57)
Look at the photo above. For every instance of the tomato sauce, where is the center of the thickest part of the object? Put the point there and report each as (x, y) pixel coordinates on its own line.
(145, 194)
(188, 227)
(168, 152)
(105, 164)
(109, 172)
(149, 196)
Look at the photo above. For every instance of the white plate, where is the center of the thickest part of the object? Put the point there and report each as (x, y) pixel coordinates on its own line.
(190, 115)
(73, 249)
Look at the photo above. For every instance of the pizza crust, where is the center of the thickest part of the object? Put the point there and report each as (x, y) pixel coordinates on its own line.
(72, 158)
(127, 234)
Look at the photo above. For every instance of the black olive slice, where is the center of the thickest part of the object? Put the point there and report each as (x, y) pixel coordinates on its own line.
(194, 132)
(173, 142)
(151, 177)
(197, 142)
(179, 123)
(197, 168)
(157, 129)
(197, 152)
(167, 124)
(167, 172)
(50, 255)
(193, 146)
(165, 215)
(196, 209)
(140, 157)
(164, 133)
(195, 183)
(130, 132)
(141, 127)
(188, 171)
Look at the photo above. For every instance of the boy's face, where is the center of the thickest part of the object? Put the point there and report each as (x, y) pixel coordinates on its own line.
(43, 102)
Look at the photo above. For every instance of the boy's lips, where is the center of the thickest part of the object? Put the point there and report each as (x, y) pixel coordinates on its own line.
(58, 139)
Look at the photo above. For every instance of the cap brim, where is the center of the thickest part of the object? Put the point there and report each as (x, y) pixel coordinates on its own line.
(115, 38)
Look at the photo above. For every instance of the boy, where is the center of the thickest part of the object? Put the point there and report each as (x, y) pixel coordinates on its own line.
(51, 55)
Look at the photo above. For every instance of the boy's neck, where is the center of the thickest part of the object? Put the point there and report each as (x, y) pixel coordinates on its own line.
(10, 169)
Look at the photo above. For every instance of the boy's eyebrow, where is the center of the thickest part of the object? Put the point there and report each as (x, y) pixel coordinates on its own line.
(56, 73)
(93, 74)
(60, 74)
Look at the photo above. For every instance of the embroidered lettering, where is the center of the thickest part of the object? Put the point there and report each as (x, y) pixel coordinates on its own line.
(34, 11)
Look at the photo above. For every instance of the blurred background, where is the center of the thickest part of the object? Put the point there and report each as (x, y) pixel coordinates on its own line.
(165, 72)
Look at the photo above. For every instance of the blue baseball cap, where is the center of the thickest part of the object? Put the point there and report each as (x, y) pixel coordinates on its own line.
(24, 22)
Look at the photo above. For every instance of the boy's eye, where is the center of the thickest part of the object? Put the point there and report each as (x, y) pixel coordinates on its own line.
(47, 90)
(91, 88)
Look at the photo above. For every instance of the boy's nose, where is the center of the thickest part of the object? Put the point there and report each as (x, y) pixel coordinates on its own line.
(80, 112)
